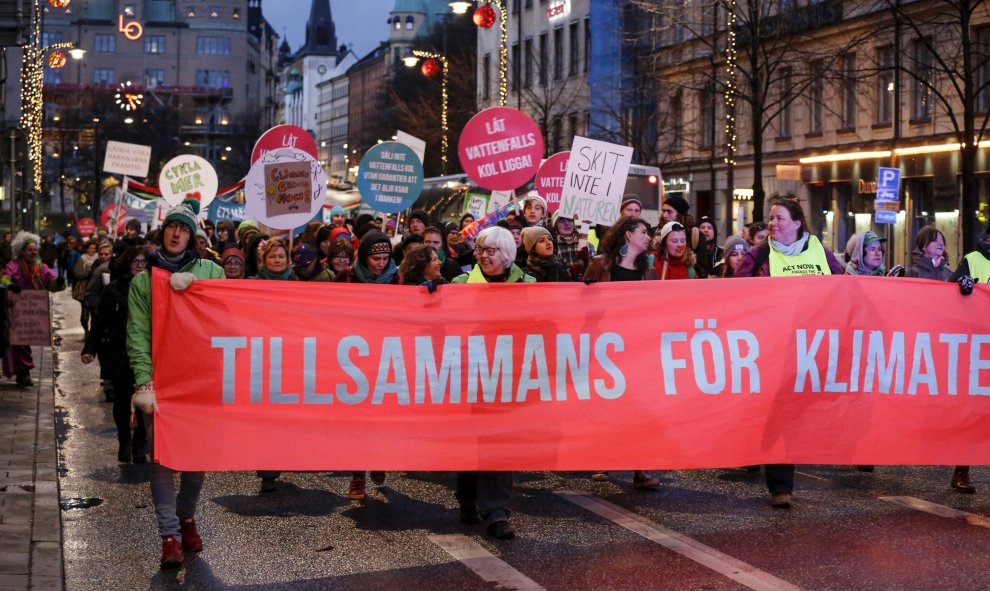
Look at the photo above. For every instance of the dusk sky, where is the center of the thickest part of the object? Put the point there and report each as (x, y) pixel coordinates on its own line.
(359, 22)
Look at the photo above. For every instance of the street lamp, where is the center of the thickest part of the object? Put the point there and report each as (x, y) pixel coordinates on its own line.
(410, 62)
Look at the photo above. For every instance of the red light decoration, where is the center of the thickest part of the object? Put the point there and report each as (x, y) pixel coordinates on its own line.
(484, 16)
(56, 59)
(430, 68)
(58, 3)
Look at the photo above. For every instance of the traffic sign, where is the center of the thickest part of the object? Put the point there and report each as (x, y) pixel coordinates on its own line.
(885, 217)
(882, 205)
(888, 184)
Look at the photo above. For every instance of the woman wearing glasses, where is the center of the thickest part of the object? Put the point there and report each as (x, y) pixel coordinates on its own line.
(791, 251)
(340, 260)
(486, 495)
(866, 252)
(108, 338)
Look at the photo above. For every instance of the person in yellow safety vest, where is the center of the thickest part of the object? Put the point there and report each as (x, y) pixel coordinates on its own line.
(790, 251)
(975, 266)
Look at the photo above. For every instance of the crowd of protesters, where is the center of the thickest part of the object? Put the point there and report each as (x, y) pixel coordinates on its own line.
(111, 280)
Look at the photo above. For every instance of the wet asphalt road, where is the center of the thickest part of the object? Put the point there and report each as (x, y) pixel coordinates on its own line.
(841, 534)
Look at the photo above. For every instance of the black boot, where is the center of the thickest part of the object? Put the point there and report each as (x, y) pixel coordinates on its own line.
(24, 379)
(124, 452)
(960, 481)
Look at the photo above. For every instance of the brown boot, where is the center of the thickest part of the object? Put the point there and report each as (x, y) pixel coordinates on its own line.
(960, 481)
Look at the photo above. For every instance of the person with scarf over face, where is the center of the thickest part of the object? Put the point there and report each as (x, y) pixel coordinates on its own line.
(791, 251)
(374, 265)
(177, 256)
(24, 271)
(541, 262)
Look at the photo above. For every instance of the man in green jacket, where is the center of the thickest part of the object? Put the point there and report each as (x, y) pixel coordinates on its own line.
(177, 255)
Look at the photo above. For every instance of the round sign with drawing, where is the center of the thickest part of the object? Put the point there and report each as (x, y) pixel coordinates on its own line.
(284, 189)
(188, 176)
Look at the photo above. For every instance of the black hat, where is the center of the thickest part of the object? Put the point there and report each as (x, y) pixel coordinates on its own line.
(678, 203)
(374, 242)
(419, 214)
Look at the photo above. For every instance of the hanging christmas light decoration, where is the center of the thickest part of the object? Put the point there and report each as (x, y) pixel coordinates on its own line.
(430, 68)
(440, 62)
(57, 59)
(58, 3)
(730, 87)
(484, 16)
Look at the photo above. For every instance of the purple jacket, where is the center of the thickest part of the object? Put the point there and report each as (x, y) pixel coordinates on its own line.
(748, 267)
(13, 270)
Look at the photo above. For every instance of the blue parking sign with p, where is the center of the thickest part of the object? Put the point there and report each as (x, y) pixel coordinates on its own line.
(888, 183)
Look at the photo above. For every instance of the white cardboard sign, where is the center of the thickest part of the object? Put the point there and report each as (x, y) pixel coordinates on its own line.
(595, 181)
(259, 189)
(418, 146)
(129, 159)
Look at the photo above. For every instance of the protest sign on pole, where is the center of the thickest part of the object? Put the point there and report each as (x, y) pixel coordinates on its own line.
(86, 227)
(284, 189)
(185, 176)
(595, 181)
(830, 385)
(475, 204)
(418, 146)
(30, 318)
(127, 159)
(499, 199)
(390, 177)
(550, 180)
(500, 148)
(284, 136)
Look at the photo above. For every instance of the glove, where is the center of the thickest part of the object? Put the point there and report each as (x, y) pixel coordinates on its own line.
(181, 281)
(896, 271)
(144, 399)
(966, 284)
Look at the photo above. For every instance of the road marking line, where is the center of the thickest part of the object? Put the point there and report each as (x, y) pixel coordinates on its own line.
(940, 510)
(485, 564)
(813, 476)
(737, 570)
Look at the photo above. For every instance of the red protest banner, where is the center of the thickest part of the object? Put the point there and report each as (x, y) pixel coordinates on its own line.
(250, 375)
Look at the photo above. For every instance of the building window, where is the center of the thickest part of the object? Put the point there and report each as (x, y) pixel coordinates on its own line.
(528, 70)
(515, 67)
(529, 4)
(557, 134)
(213, 78)
(104, 76)
(410, 21)
(544, 59)
(816, 97)
(213, 45)
(214, 12)
(786, 88)
(237, 14)
(708, 12)
(572, 120)
(572, 68)
(849, 92)
(154, 43)
(587, 44)
(558, 53)
(398, 23)
(190, 12)
(923, 97)
(51, 38)
(53, 76)
(486, 77)
(677, 121)
(153, 78)
(706, 104)
(104, 43)
(885, 85)
(983, 68)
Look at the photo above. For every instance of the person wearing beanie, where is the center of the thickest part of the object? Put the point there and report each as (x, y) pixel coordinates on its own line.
(674, 260)
(631, 206)
(418, 221)
(459, 247)
(337, 216)
(712, 253)
(534, 209)
(232, 261)
(674, 209)
(178, 257)
(247, 230)
(866, 251)
(541, 263)
(735, 251)
(24, 271)
(306, 264)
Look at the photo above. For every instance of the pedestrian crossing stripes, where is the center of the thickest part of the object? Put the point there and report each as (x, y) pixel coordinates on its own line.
(484, 564)
(940, 510)
(735, 569)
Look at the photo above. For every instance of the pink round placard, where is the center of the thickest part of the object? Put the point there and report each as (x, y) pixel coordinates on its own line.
(284, 136)
(550, 180)
(500, 148)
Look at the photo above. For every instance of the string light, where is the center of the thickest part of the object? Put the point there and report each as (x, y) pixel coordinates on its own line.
(503, 52)
(730, 87)
(443, 103)
(32, 89)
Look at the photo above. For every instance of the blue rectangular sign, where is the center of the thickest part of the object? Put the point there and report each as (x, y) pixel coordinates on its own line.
(885, 217)
(889, 178)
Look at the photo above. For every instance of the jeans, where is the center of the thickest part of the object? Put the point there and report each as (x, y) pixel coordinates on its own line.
(491, 491)
(780, 478)
(170, 508)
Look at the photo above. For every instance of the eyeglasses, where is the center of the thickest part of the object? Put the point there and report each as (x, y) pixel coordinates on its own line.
(874, 249)
(139, 263)
(341, 259)
(488, 252)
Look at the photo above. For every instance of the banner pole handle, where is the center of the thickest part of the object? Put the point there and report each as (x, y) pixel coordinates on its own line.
(116, 212)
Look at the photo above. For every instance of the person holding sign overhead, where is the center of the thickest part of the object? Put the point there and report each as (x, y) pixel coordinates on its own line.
(178, 257)
(791, 251)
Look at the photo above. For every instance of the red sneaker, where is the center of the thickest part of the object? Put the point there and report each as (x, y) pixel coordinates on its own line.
(355, 491)
(171, 553)
(191, 542)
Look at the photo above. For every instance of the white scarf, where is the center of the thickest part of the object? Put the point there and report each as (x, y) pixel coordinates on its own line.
(792, 249)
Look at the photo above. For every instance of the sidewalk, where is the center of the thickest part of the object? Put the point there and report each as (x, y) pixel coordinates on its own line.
(30, 518)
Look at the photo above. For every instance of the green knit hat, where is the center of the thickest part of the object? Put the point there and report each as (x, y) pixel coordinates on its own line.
(186, 213)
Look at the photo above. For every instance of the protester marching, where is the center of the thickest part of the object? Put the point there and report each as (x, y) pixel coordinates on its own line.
(475, 305)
